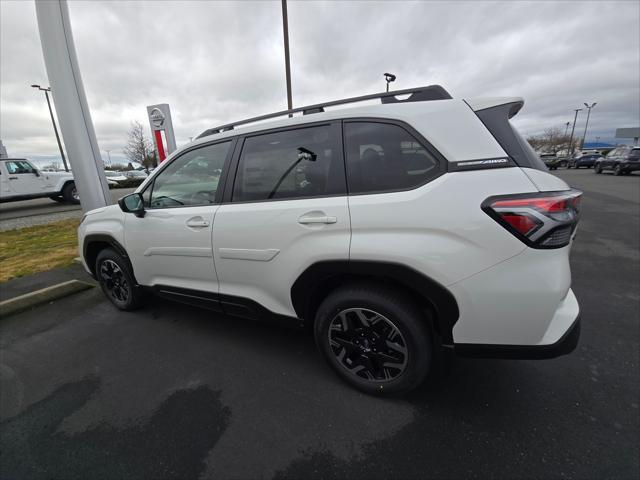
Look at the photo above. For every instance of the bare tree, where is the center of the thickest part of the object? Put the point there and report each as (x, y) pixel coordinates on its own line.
(139, 148)
(552, 140)
(536, 142)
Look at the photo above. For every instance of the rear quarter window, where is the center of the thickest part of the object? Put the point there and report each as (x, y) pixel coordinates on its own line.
(385, 157)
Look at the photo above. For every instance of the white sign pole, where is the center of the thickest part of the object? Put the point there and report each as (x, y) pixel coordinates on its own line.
(71, 103)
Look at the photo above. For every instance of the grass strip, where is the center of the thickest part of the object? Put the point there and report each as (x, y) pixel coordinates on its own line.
(30, 250)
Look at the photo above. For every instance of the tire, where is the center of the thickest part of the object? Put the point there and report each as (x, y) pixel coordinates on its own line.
(70, 193)
(617, 171)
(116, 279)
(597, 168)
(400, 336)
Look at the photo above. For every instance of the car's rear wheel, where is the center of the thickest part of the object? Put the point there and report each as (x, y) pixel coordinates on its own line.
(618, 170)
(375, 338)
(70, 193)
(116, 280)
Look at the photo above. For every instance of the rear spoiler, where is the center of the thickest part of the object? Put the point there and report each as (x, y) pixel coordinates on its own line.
(478, 104)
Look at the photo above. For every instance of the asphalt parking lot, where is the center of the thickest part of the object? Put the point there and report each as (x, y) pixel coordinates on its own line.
(175, 392)
(27, 213)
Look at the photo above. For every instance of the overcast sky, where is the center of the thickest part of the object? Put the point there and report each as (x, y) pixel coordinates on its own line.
(216, 62)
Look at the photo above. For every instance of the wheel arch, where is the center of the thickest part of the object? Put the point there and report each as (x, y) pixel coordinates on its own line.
(65, 183)
(320, 279)
(94, 243)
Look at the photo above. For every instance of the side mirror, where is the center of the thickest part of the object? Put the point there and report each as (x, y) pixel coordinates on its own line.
(132, 203)
(36, 172)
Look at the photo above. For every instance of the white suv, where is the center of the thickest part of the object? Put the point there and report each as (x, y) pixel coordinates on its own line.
(393, 229)
(21, 180)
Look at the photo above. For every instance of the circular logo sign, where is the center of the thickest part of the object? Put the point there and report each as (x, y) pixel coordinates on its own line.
(157, 117)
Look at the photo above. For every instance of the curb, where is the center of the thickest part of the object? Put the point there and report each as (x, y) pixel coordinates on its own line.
(44, 295)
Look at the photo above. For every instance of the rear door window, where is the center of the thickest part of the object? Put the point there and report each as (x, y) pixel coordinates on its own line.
(385, 157)
(296, 163)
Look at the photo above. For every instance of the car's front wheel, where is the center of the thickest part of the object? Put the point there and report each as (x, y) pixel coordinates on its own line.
(598, 168)
(376, 338)
(116, 280)
(618, 170)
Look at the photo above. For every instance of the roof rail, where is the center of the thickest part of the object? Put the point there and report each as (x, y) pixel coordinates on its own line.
(419, 94)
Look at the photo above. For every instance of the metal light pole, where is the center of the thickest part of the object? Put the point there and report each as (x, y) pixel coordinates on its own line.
(589, 107)
(566, 129)
(109, 156)
(575, 118)
(72, 108)
(55, 128)
(287, 64)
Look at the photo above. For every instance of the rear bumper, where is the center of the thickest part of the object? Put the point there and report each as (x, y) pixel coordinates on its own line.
(565, 345)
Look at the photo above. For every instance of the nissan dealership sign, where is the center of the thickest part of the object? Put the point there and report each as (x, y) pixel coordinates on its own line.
(160, 121)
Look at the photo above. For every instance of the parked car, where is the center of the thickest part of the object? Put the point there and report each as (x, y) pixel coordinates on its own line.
(135, 177)
(587, 161)
(115, 176)
(622, 160)
(552, 161)
(22, 180)
(352, 221)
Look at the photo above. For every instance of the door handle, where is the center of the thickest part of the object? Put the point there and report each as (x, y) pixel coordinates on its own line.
(13, 178)
(309, 219)
(197, 223)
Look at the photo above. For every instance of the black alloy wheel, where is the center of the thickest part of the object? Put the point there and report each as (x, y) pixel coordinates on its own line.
(116, 279)
(367, 344)
(375, 337)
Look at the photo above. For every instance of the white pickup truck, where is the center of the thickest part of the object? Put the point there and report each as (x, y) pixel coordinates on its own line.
(21, 180)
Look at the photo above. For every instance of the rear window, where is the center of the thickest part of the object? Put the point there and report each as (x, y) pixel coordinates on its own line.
(496, 119)
(635, 153)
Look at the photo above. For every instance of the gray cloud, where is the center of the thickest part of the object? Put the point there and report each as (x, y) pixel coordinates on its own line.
(215, 62)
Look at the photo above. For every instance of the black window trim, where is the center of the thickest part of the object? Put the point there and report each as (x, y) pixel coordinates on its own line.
(221, 182)
(336, 142)
(441, 160)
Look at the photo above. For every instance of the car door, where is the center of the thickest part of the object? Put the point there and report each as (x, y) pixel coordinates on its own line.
(610, 159)
(170, 246)
(287, 210)
(24, 178)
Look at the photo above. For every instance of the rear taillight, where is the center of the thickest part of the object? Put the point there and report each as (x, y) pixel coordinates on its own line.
(541, 220)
